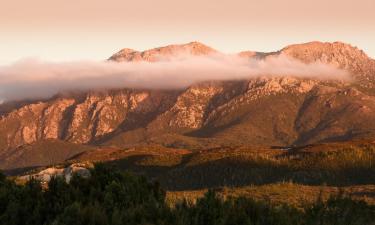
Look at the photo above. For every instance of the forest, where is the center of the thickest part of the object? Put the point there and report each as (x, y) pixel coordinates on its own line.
(112, 197)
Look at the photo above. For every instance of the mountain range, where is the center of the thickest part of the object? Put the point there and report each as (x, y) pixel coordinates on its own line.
(274, 111)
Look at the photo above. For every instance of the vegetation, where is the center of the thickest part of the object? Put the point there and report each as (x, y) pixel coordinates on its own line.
(296, 195)
(324, 164)
(112, 197)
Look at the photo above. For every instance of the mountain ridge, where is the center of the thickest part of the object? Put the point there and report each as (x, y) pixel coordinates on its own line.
(260, 111)
(337, 54)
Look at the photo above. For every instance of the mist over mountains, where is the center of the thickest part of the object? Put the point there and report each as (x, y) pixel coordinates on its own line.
(171, 68)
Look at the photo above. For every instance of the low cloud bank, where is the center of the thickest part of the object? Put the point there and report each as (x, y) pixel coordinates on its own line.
(33, 78)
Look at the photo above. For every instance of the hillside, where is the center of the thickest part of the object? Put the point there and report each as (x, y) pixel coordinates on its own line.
(263, 111)
(295, 176)
(333, 164)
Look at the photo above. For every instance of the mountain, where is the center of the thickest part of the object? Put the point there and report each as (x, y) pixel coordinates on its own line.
(277, 111)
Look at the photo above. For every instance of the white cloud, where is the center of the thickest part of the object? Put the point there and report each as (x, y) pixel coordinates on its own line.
(33, 78)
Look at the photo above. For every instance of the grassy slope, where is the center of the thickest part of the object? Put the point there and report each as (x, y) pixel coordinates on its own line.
(281, 193)
(296, 176)
(335, 164)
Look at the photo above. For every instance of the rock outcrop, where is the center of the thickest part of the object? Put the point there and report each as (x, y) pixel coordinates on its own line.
(44, 176)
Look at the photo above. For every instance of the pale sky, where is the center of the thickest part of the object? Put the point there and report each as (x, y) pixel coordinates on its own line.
(65, 30)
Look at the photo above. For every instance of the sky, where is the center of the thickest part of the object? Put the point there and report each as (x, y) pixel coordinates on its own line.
(68, 30)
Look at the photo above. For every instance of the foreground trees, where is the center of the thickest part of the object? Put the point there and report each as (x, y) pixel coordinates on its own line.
(111, 197)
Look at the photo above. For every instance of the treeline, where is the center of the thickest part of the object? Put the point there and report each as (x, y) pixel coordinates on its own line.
(112, 197)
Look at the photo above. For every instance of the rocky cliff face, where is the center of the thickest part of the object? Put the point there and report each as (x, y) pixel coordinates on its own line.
(80, 120)
(279, 110)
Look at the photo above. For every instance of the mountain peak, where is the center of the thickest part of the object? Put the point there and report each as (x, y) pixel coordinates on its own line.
(193, 48)
(198, 46)
(124, 54)
(311, 51)
(338, 54)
